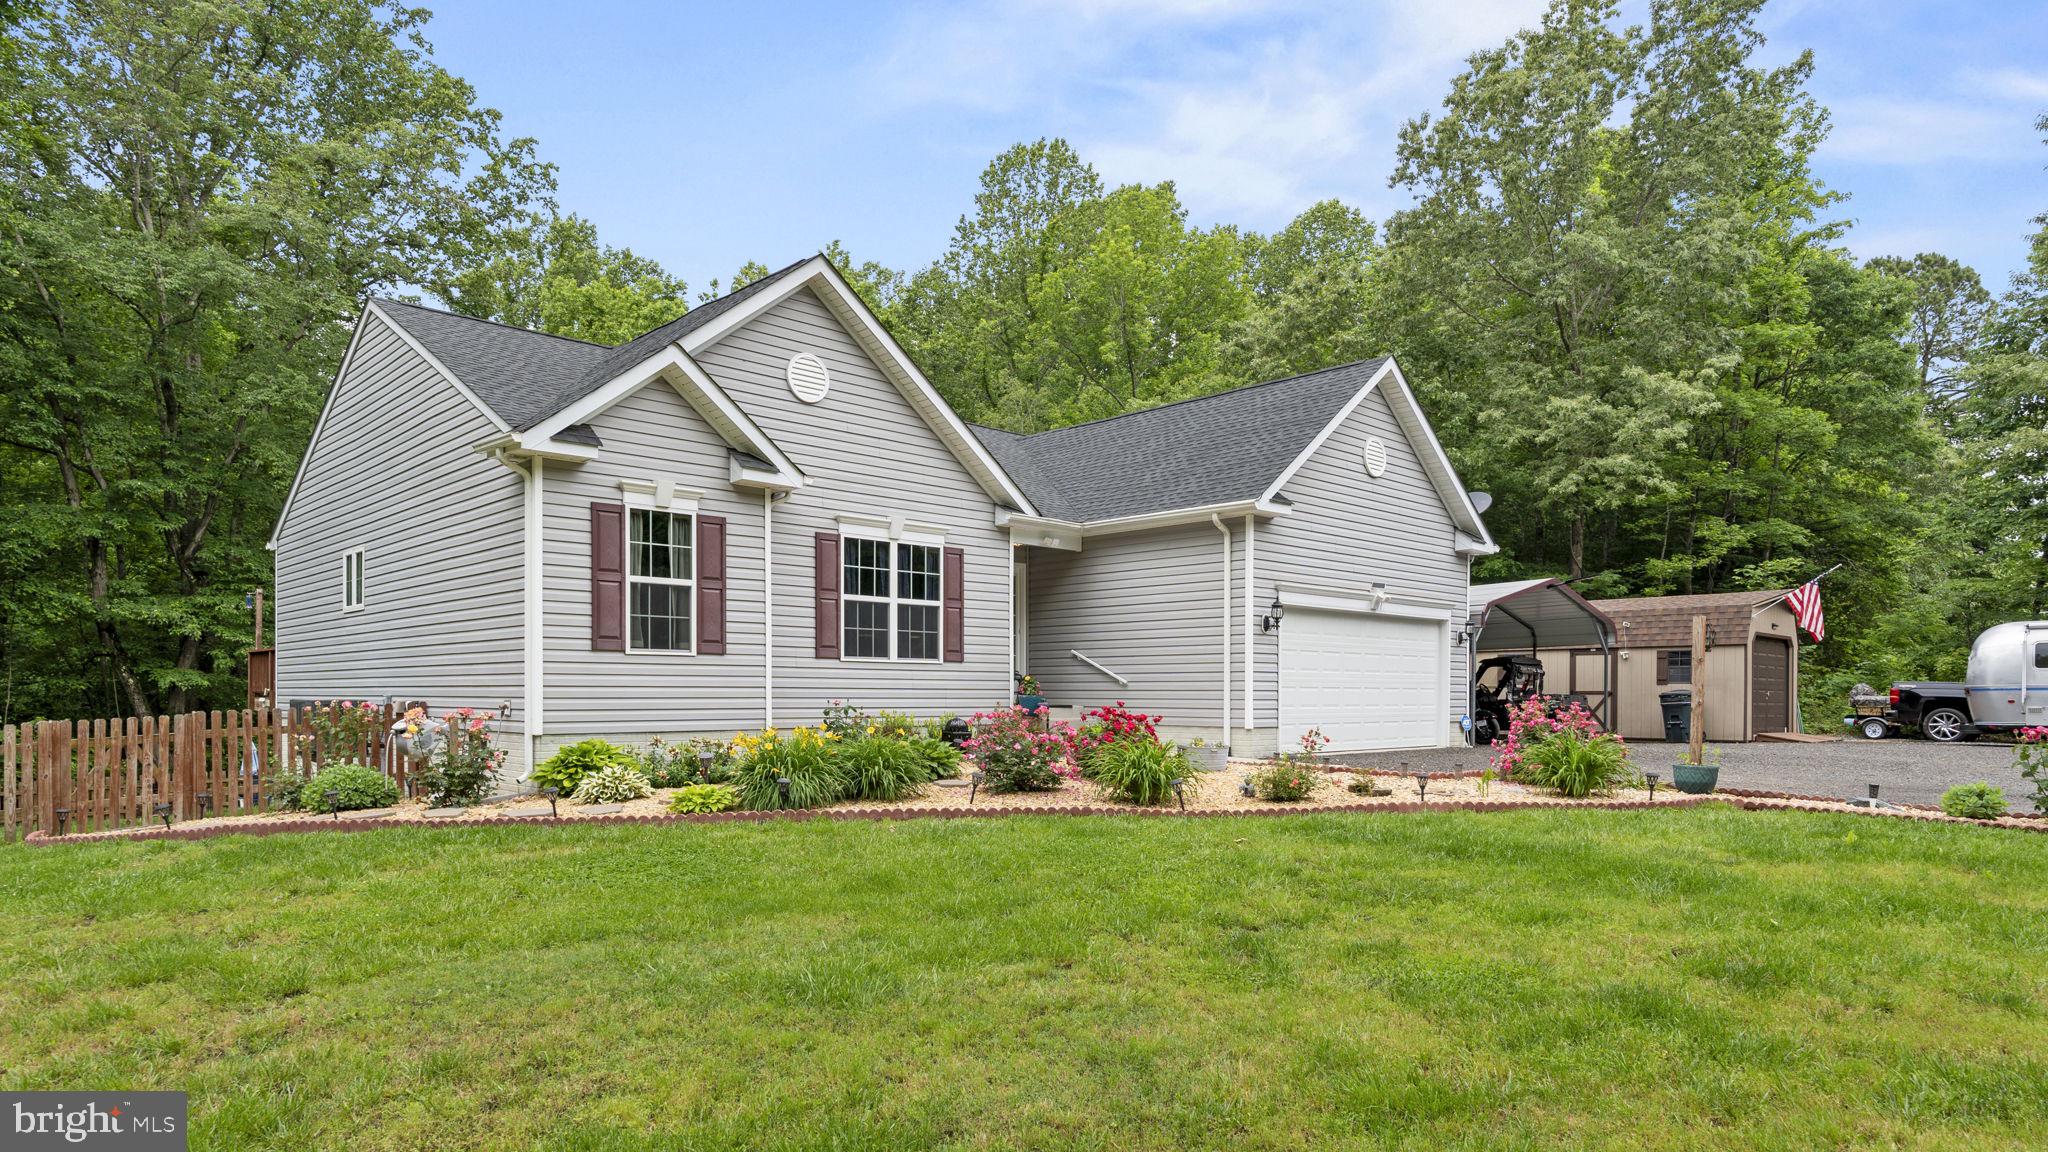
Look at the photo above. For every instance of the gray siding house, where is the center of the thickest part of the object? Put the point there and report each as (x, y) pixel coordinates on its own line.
(762, 507)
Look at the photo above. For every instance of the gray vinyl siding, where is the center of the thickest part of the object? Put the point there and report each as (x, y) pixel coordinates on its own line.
(1348, 530)
(864, 452)
(392, 471)
(652, 434)
(1147, 606)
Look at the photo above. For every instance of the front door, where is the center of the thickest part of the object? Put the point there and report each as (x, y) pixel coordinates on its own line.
(1770, 679)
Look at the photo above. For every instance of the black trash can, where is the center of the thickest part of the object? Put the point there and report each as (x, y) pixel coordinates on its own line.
(1677, 715)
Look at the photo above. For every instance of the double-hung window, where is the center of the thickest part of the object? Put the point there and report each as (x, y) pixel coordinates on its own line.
(660, 580)
(1677, 666)
(352, 580)
(892, 599)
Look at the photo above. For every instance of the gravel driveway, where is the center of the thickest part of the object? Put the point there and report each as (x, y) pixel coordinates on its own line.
(1910, 771)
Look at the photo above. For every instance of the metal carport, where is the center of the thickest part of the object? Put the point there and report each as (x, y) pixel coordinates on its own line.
(1527, 615)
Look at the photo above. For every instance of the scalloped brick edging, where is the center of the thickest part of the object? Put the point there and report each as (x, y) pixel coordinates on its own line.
(1747, 801)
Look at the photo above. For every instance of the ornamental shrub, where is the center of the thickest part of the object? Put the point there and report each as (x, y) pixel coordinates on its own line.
(464, 765)
(569, 765)
(1573, 763)
(357, 786)
(895, 726)
(1014, 756)
(613, 784)
(1139, 771)
(1979, 801)
(808, 757)
(703, 798)
(1531, 721)
(670, 765)
(881, 768)
(1286, 780)
(1109, 725)
(2030, 757)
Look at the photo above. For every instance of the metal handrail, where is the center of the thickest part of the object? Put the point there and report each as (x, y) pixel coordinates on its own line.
(1075, 653)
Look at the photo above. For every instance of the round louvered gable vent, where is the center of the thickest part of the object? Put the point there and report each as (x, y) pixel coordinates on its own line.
(1375, 457)
(807, 378)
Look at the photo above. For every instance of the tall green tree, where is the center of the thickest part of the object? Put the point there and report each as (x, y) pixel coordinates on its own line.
(1950, 306)
(197, 202)
(558, 278)
(1312, 301)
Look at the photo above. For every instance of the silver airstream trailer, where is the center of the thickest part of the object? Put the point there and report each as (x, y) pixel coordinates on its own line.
(2007, 684)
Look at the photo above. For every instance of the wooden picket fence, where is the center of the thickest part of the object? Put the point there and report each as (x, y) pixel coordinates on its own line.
(93, 775)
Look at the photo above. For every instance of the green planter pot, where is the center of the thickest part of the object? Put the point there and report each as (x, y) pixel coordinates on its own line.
(1695, 779)
(1030, 703)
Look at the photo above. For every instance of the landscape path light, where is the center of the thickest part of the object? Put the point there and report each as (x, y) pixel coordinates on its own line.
(782, 789)
(1180, 792)
(1422, 787)
(1652, 778)
(163, 813)
(334, 802)
(552, 793)
(63, 820)
(974, 784)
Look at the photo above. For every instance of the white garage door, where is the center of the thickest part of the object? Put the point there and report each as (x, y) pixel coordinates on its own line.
(1368, 681)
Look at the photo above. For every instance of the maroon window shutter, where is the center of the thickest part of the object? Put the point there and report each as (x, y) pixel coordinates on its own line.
(954, 590)
(825, 593)
(711, 585)
(608, 577)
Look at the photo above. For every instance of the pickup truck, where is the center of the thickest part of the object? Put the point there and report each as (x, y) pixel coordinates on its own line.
(1940, 709)
(2007, 689)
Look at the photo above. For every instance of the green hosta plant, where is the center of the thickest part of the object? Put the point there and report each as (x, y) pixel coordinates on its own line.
(703, 798)
(1978, 801)
(568, 766)
(1139, 771)
(670, 765)
(613, 784)
(356, 787)
(1575, 764)
(882, 768)
(941, 760)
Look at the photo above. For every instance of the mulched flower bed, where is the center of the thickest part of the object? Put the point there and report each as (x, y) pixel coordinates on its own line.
(1208, 794)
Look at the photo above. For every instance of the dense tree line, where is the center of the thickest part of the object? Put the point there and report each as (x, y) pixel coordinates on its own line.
(1619, 289)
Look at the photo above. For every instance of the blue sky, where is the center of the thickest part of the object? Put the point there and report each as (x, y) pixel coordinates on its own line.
(705, 135)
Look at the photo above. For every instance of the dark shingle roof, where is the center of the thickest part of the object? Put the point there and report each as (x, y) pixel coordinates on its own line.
(1213, 449)
(526, 377)
(1666, 621)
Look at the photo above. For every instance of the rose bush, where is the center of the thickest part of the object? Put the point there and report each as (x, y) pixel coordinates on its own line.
(1014, 756)
(1531, 722)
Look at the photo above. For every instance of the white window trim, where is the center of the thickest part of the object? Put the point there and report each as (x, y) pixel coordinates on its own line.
(892, 528)
(673, 508)
(353, 581)
(849, 529)
(663, 496)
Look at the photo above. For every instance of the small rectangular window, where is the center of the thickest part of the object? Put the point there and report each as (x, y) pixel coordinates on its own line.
(2041, 655)
(352, 580)
(892, 600)
(660, 576)
(1678, 667)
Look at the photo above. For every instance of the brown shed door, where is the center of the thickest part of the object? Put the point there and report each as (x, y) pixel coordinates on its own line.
(1771, 684)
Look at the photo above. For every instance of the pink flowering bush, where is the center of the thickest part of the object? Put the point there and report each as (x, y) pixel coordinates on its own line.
(1531, 722)
(468, 763)
(2031, 758)
(1015, 756)
(1111, 724)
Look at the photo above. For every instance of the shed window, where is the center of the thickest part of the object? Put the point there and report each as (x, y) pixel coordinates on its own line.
(352, 580)
(660, 573)
(1677, 667)
(892, 596)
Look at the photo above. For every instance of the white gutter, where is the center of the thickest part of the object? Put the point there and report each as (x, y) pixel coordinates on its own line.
(768, 611)
(1250, 534)
(1225, 529)
(1206, 513)
(533, 473)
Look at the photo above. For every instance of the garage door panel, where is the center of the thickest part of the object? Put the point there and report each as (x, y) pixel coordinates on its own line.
(1367, 681)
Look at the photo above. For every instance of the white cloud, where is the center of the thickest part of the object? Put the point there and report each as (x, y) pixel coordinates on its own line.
(1893, 130)
(2013, 84)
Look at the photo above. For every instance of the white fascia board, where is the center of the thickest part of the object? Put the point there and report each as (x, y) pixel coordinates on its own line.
(711, 403)
(326, 407)
(1328, 601)
(1329, 430)
(1444, 471)
(513, 444)
(1040, 532)
(819, 275)
(1068, 534)
(744, 477)
(1471, 546)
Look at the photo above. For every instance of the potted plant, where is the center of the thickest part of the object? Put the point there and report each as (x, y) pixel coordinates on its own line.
(1206, 756)
(1697, 777)
(1027, 693)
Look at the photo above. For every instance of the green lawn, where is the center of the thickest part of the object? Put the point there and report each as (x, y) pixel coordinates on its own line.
(1674, 979)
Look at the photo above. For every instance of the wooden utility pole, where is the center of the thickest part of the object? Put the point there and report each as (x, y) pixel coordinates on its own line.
(1697, 748)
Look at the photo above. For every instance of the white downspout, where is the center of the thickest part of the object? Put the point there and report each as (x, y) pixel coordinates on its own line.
(768, 610)
(1251, 717)
(1217, 520)
(533, 472)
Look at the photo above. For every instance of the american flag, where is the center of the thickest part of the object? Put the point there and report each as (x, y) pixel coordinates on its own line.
(1805, 604)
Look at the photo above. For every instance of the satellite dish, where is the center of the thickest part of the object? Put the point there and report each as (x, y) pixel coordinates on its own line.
(1481, 501)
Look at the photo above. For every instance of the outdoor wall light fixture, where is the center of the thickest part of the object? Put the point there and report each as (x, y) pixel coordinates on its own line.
(163, 813)
(334, 802)
(1652, 778)
(1271, 622)
(782, 789)
(553, 794)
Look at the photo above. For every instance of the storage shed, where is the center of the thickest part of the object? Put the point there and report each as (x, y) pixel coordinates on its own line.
(1752, 672)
